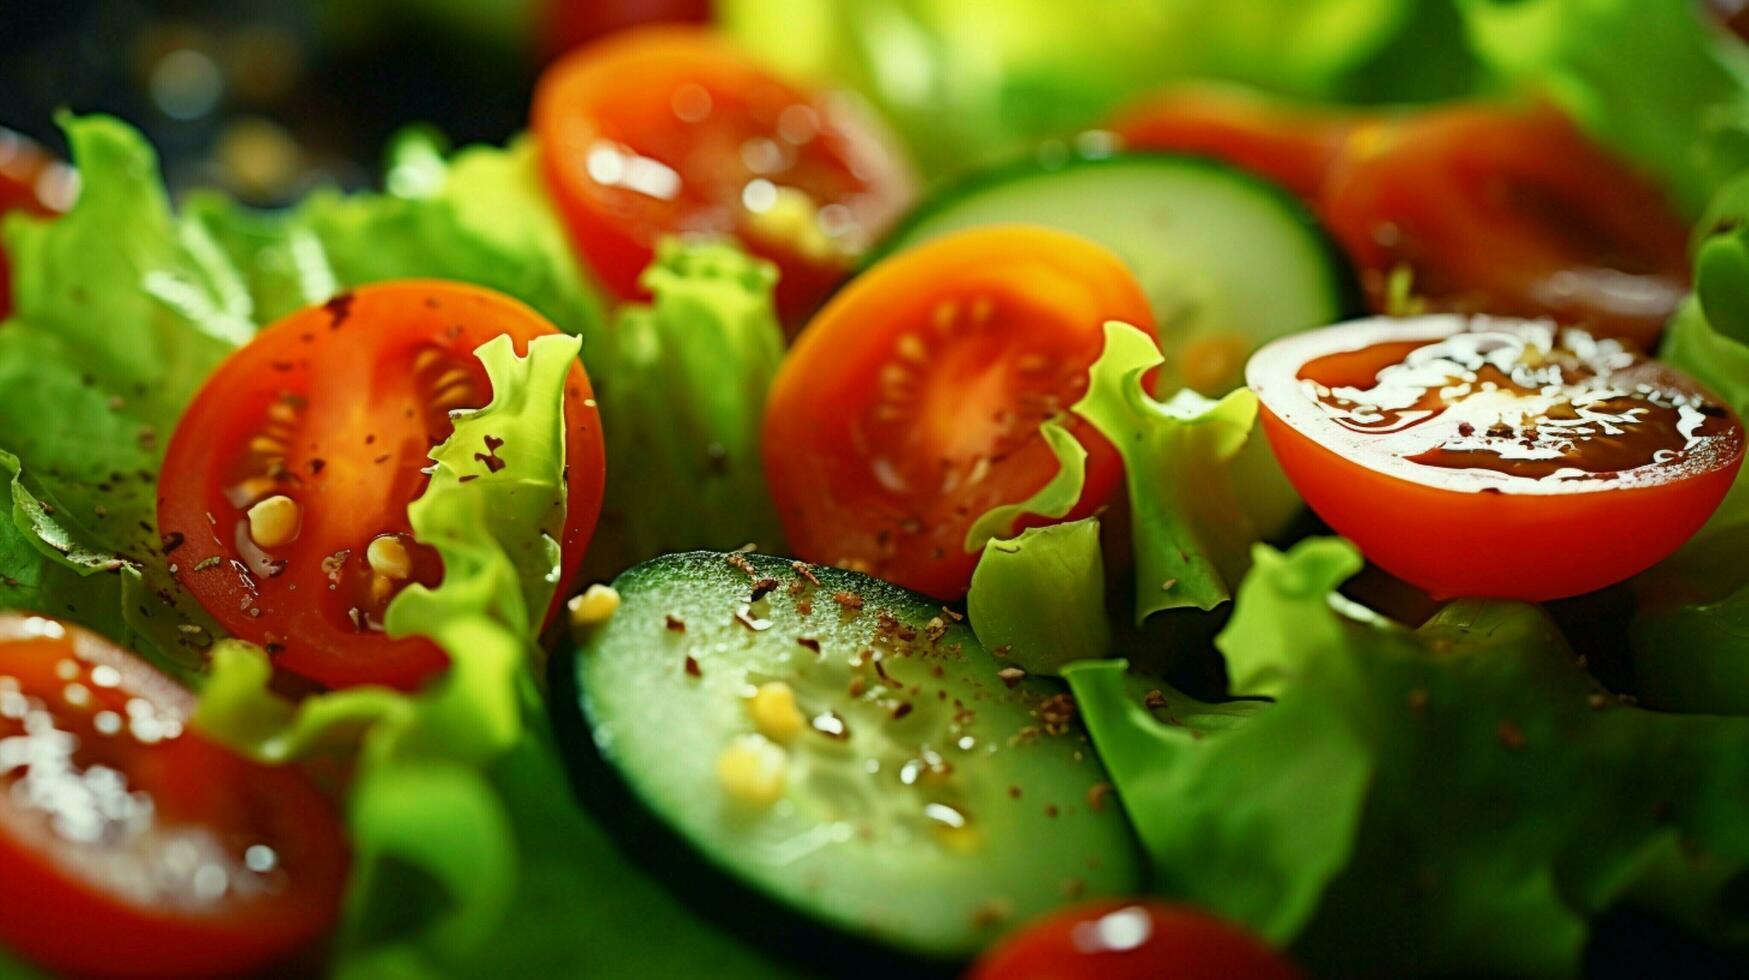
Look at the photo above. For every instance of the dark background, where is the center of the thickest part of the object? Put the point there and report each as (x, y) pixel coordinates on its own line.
(261, 98)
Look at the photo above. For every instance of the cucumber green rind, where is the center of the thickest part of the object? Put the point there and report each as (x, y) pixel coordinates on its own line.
(1286, 275)
(851, 848)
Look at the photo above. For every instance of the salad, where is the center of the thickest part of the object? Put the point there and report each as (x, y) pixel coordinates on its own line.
(906, 489)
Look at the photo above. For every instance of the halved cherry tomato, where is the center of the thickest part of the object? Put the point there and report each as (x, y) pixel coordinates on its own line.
(285, 490)
(31, 181)
(671, 131)
(911, 405)
(565, 24)
(131, 846)
(1295, 146)
(1508, 211)
(1139, 940)
(1504, 458)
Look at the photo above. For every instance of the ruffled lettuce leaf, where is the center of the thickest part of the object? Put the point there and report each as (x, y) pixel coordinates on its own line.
(471, 858)
(1191, 530)
(1456, 800)
(1653, 80)
(119, 313)
(1040, 597)
(682, 384)
(421, 798)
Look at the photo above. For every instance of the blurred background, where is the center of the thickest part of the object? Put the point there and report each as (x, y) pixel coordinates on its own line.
(266, 98)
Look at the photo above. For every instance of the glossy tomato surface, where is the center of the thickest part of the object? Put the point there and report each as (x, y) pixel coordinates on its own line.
(1508, 211)
(911, 405)
(132, 846)
(1474, 456)
(1292, 145)
(670, 130)
(1140, 940)
(31, 181)
(336, 409)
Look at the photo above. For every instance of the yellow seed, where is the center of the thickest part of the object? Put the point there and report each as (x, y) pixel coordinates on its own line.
(945, 314)
(267, 446)
(388, 557)
(273, 522)
(451, 378)
(774, 712)
(595, 606)
(426, 359)
(910, 347)
(753, 770)
(282, 413)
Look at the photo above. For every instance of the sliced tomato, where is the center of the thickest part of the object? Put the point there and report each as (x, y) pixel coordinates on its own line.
(1295, 146)
(1139, 940)
(132, 846)
(1496, 209)
(31, 181)
(285, 490)
(565, 24)
(911, 405)
(669, 130)
(1474, 456)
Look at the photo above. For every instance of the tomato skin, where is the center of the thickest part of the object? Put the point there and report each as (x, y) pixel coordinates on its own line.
(704, 131)
(352, 457)
(1508, 211)
(1135, 940)
(910, 406)
(1294, 146)
(1427, 536)
(1465, 530)
(31, 181)
(56, 907)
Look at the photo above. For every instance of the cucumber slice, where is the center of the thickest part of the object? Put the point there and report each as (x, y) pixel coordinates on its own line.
(911, 795)
(1228, 261)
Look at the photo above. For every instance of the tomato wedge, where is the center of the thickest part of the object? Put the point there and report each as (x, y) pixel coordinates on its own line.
(911, 405)
(1295, 146)
(131, 846)
(285, 490)
(1474, 456)
(1508, 211)
(668, 130)
(31, 181)
(1140, 940)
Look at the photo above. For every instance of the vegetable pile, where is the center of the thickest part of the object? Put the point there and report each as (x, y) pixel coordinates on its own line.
(718, 533)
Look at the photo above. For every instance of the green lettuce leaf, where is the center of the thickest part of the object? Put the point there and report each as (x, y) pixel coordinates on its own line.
(1653, 80)
(1191, 529)
(1040, 596)
(970, 83)
(421, 798)
(1455, 800)
(1690, 635)
(682, 384)
(119, 313)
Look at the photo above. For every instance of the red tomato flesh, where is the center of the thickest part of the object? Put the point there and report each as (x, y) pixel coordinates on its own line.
(1473, 456)
(1141, 940)
(911, 405)
(131, 846)
(337, 408)
(33, 182)
(670, 131)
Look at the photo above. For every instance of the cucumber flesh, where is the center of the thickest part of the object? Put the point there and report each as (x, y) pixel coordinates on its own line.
(925, 801)
(1229, 262)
